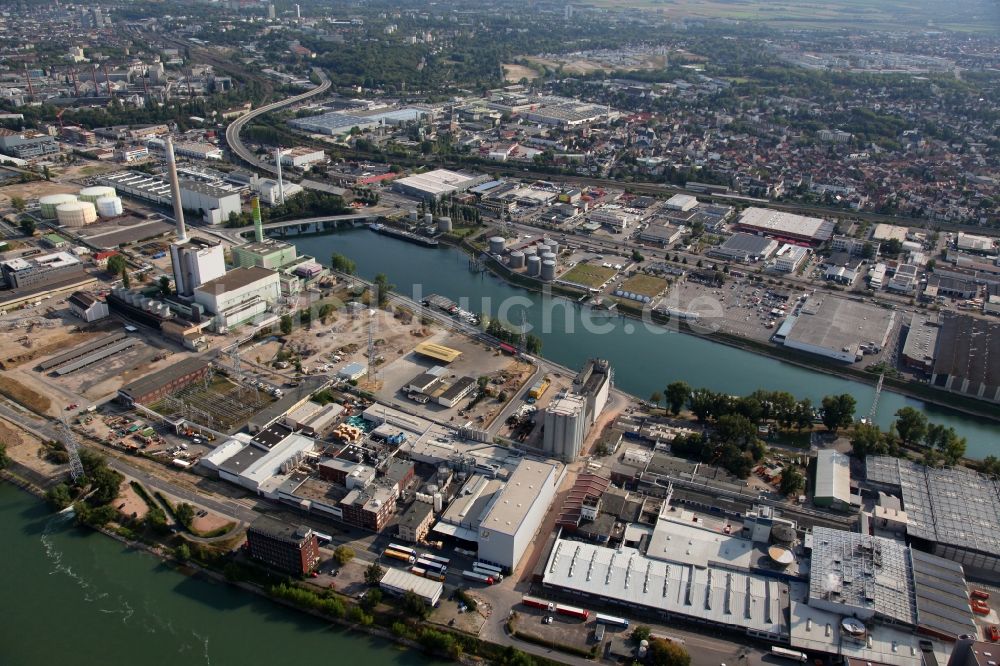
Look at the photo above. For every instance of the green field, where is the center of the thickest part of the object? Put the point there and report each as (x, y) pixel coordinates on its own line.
(588, 275)
(962, 15)
(644, 285)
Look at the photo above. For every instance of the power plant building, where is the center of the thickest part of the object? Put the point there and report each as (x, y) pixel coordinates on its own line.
(196, 262)
(238, 296)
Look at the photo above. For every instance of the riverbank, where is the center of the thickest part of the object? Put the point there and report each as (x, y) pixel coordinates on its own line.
(918, 391)
(388, 622)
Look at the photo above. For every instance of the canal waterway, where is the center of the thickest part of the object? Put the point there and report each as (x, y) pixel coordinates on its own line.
(645, 358)
(75, 596)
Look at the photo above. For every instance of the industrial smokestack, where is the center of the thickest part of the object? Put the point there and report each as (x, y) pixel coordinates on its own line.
(258, 224)
(281, 183)
(175, 191)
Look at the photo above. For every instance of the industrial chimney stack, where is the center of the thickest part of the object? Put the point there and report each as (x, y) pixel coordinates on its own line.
(175, 192)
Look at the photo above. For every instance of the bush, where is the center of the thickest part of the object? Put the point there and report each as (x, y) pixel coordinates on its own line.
(59, 497)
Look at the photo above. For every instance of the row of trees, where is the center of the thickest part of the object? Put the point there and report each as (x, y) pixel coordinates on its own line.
(911, 429)
(504, 332)
(761, 405)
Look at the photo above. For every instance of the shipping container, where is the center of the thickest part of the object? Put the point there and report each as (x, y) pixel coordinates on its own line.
(789, 654)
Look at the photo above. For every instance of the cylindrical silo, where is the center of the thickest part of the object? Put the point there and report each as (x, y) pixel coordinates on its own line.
(530, 250)
(517, 259)
(548, 256)
(548, 270)
(496, 244)
(94, 193)
(553, 246)
(413, 215)
(49, 202)
(438, 502)
(444, 225)
(541, 248)
(109, 206)
(76, 213)
(428, 219)
(534, 266)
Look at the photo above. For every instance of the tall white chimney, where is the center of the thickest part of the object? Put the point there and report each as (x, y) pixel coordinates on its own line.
(175, 192)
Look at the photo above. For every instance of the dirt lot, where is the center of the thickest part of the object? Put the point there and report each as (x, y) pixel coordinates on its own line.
(29, 191)
(26, 449)
(130, 503)
(515, 73)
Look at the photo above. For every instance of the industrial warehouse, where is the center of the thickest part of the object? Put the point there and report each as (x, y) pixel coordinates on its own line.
(837, 328)
(785, 226)
(952, 513)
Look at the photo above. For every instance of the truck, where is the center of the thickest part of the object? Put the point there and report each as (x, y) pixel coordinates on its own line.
(396, 555)
(794, 655)
(572, 611)
(482, 578)
(539, 388)
(535, 602)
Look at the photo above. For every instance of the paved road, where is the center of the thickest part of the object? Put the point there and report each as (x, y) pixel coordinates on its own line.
(235, 127)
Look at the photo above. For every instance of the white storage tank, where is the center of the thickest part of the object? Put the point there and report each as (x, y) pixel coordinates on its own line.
(553, 246)
(517, 259)
(94, 193)
(50, 202)
(413, 215)
(548, 256)
(497, 244)
(428, 219)
(534, 266)
(444, 225)
(438, 502)
(548, 270)
(542, 249)
(76, 213)
(109, 206)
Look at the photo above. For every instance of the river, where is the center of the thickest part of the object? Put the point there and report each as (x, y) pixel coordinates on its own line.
(76, 596)
(645, 359)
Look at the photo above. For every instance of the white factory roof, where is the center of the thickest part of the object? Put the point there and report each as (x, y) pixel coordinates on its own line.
(682, 202)
(517, 499)
(712, 594)
(436, 182)
(884, 232)
(677, 538)
(816, 630)
(833, 475)
(222, 453)
(778, 223)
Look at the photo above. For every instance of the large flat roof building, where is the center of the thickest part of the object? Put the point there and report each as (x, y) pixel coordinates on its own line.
(783, 225)
(744, 602)
(838, 328)
(745, 248)
(511, 522)
(967, 357)
(437, 183)
(953, 513)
